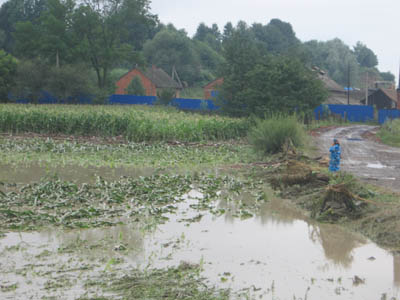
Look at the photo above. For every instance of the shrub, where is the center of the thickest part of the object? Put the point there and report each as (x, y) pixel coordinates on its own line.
(135, 87)
(270, 135)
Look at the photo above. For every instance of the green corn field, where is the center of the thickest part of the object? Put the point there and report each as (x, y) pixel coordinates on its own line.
(135, 123)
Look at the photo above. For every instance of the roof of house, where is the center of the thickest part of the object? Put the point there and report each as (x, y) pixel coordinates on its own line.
(391, 93)
(213, 81)
(161, 79)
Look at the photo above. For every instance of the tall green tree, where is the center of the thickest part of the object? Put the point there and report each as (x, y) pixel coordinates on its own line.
(100, 28)
(170, 48)
(365, 56)
(258, 82)
(8, 70)
(14, 11)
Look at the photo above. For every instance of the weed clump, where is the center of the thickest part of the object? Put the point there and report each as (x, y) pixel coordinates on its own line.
(272, 134)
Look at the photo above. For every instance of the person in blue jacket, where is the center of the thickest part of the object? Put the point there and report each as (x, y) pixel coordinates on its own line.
(334, 164)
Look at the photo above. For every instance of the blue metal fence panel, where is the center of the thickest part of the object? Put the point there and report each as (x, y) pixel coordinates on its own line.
(194, 104)
(130, 99)
(385, 114)
(355, 113)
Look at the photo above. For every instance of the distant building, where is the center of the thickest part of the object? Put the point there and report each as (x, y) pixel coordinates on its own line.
(153, 81)
(382, 99)
(337, 93)
(211, 89)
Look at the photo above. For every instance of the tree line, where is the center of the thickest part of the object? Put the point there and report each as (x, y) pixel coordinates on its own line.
(73, 47)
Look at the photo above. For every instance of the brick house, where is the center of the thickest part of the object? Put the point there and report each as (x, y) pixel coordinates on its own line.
(211, 89)
(153, 80)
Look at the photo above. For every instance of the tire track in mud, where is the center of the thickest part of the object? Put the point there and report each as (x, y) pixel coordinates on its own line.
(374, 162)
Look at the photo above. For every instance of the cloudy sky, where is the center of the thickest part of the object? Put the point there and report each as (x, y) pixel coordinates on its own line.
(372, 22)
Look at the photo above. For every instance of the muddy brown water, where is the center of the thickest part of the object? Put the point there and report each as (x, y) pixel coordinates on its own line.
(368, 160)
(278, 254)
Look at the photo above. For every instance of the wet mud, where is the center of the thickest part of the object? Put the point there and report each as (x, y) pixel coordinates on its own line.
(370, 161)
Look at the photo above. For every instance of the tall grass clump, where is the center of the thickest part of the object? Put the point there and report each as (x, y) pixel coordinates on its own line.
(135, 123)
(272, 134)
(390, 133)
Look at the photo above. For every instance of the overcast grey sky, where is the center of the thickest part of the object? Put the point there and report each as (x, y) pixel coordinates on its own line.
(373, 22)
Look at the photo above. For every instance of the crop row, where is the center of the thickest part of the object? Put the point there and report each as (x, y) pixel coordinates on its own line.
(132, 122)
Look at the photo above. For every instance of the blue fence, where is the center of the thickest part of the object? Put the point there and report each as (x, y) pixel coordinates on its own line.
(353, 113)
(47, 98)
(181, 103)
(385, 114)
(129, 99)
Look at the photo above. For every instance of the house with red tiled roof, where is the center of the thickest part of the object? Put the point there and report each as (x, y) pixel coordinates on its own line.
(153, 81)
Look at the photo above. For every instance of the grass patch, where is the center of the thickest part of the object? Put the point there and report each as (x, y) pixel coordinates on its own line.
(273, 134)
(133, 123)
(390, 133)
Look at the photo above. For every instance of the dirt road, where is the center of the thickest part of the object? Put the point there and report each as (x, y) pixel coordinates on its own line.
(376, 163)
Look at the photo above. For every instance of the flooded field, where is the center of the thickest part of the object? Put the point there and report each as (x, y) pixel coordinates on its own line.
(175, 235)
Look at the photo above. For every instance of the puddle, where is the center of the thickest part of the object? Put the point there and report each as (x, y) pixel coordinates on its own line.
(376, 166)
(278, 252)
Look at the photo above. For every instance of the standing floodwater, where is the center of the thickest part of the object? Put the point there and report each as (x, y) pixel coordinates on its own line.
(277, 254)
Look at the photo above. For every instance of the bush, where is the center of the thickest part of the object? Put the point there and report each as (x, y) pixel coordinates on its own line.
(135, 87)
(270, 135)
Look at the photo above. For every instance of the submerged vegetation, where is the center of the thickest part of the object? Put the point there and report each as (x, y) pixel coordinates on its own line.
(133, 123)
(106, 203)
(181, 282)
(120, 154)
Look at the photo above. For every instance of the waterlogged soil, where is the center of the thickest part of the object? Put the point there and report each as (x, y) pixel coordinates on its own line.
(75, 231)
(275, 253)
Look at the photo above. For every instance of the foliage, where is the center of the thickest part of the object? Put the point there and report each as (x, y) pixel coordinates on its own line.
(256, 83)
(104, 152)
(365, 56)
(101, 30)
(335, 57)
(133, 123)
(67, 83)
(14, 11)
(390, 133)
(8, 70)
(387, 76)
(170, 48)
(272, 134)
(49, 35)
(276, 37)
(165, 96)
(135, 87)
(31, 80)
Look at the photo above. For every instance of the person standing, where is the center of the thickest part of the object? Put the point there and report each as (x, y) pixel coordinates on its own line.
(334, 163)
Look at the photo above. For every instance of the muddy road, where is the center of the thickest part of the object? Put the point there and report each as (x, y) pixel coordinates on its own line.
(368, 160)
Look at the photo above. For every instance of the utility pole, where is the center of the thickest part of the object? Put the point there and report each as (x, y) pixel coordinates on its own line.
(366, 90)
(348, 84)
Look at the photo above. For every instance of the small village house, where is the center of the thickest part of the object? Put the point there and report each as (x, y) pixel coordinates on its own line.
(153, 80)
(382, 99)
(211, 89)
